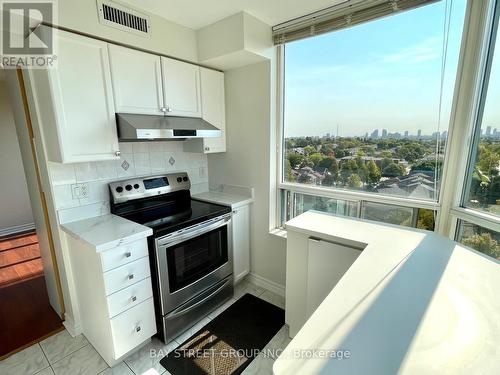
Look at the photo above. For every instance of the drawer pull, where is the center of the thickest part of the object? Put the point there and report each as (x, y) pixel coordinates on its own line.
(128, 254)
(131, 276)
(134, 298)
(138, 328)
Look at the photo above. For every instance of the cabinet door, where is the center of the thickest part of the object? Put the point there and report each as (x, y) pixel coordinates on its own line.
(241, 242)
(82, 100)
(181, 88)
(327, 263)
(136, 77)
(213, 107)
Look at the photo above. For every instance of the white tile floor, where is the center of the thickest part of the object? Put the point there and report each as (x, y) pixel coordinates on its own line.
(62, 354)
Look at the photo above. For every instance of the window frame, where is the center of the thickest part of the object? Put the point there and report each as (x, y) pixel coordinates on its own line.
(490, 22)
(480, 18)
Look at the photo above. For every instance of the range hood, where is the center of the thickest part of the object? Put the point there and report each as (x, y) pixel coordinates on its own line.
(133, 127)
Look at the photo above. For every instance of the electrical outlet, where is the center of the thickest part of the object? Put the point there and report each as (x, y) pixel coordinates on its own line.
(80, 191)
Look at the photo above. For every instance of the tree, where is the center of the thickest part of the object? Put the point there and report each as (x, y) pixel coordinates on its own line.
(385, 162)
(333, 167)
(295, 159)
(374, 173)
(362, 169)
(394, 170)
(348, 168)
(484, 243)
(288, 171)
(354, 182)
(411, 151)
(316, 158)
(425, 219)
(309, 150)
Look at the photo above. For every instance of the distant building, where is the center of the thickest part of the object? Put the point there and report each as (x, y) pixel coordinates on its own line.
(488, 131)
(419, 133)
(374, 134)
(384, 133)
(406, 133)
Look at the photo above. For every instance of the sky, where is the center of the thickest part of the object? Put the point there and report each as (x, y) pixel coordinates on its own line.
(383, 74)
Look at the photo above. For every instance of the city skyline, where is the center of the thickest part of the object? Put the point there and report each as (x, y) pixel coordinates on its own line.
(392, 77)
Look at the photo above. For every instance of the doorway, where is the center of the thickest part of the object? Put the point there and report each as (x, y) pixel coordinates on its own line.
(26, 312)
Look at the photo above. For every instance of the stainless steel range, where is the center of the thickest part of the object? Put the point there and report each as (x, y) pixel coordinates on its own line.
(190, 251)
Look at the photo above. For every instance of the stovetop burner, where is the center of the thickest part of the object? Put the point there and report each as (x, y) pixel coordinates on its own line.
(171, 209)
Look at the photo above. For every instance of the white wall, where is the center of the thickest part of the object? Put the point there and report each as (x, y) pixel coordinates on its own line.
(166, 37)
(15, 206)
(247, 162)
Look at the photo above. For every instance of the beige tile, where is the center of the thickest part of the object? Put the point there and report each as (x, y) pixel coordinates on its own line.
(120, 369)
(261, 365)
(46, 371)
(273, 298)
(148, 357)
(62, 344)
(244, 287)
(27, 362)
(278, 342)
(85, 361)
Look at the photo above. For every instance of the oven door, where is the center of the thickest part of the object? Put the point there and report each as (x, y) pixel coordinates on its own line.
(193, 259)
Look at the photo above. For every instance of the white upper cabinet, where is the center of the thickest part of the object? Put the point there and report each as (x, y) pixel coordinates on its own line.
(137, 82)
(181, 88)
(213, 110)
(75, 102)
(213, 107)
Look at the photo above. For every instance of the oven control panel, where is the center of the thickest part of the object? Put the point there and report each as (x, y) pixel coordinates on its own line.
(123, 191)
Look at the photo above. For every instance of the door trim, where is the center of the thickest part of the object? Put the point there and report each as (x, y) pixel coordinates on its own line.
(43, 200)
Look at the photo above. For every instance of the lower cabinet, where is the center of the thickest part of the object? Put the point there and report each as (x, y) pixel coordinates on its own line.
(327, 263)
(115, 296)
(241, 242)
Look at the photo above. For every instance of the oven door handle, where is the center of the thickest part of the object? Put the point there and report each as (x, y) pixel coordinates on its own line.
(193, 232)
(183, 309)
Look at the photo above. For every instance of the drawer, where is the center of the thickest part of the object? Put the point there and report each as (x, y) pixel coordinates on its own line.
(124, 254)
(129, 297)
(124, 276)
(133, 327)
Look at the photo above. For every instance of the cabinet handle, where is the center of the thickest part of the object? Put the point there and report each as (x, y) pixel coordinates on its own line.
(207, 148)
(131, 276)
(134, 298)
(128, 254)
(138, 328)
(235, 212)
(117, 153)
(166, 109)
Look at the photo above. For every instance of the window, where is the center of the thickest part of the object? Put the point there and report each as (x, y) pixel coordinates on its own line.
(367, 108)
(304, 202)
(479, 238)
(483, 185)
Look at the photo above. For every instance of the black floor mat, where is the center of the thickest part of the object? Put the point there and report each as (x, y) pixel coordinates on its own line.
(230, 342)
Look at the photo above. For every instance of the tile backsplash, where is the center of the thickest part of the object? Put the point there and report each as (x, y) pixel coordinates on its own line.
(137, 159)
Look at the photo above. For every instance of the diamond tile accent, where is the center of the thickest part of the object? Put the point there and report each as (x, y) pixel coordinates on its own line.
(125, 165)
(171, 160)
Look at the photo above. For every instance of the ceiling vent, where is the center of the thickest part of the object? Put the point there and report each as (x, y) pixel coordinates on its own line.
(123, 18)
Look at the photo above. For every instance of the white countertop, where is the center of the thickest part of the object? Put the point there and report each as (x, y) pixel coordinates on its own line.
(224, 198)
(106, 232)
(413, 302)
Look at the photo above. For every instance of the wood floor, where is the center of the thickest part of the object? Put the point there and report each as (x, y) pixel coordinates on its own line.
(25, 313)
